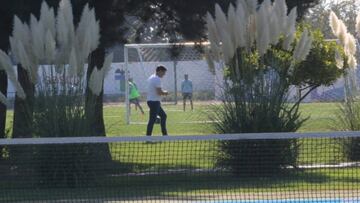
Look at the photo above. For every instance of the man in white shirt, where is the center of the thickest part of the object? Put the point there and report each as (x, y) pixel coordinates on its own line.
(187, 90)
(154, 94)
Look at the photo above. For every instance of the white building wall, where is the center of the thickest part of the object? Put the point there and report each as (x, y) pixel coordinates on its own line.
(198, 72)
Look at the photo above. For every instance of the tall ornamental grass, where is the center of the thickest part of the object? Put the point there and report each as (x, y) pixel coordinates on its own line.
(264, 54)
(54, 54)
(348, 114)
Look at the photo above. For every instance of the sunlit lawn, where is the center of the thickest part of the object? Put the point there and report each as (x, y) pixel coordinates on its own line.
(180, 123)
(192, 122)
(174, 156)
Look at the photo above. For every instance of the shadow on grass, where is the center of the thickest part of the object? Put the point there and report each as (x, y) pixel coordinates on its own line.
(131, 182)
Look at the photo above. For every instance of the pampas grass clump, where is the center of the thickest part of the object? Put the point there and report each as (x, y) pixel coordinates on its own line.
(53, 42)
(269, 22)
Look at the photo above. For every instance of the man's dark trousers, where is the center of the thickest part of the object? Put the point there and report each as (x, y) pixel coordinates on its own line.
(155, 109)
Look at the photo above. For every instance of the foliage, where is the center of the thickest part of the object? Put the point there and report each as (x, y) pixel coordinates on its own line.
(348, 115)
(258, 104)
(178, 20)
(59, 112)
(318, 16)
(261, 73)
(348, 119)
(320, 66)
(55, 107)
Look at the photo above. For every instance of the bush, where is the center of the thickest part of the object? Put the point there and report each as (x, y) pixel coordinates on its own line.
(256, 99)
(258, 157)
(348, 119)
(263, 109)
(67, 165)
(59, 111)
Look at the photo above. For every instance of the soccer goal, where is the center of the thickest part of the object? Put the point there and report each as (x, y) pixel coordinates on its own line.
(180, 59)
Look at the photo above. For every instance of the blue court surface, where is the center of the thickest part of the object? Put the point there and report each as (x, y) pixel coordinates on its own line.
(290, 201)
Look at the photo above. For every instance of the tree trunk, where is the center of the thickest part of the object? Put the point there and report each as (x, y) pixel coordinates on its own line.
(94, 103)
(94, 107)
(22, 123)
(23, 109)
(3, 89)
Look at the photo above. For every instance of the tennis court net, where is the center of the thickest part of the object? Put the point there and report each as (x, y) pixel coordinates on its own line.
(264, 167)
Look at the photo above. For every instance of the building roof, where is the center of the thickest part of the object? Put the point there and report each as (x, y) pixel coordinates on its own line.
(157, 54)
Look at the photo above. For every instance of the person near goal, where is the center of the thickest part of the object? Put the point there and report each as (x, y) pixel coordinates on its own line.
(134, 95)
(187, 91)
(154, 94)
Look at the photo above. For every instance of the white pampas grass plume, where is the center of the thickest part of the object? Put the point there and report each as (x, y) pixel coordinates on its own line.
(107, 63)
(5, 64)
(213, 36)
(290, 27)
(220, 19)
(62, 31)
(240, 29)
(65, 31)
(334, 23)
(47, 17)
(242, 9)
(232, 21)
(240, 26)
(66, 8)
(288, 41)
(352, 62)
(350, 44)
(227, 46)
(73, 69)
(95, 30)
(263, 29)
(97, 76)
(280, 10)
(209, 61)
(212, 31)
(251, 5)
(21, 32)
(339, 60)
(275, 27)
(251, 30)
(27, 62)
(96, 81)
(3, 99)
(23, 56)
(342, 33)
(262, 33)
(50, 47)
(85, 47)
(65, 38)
(303, 47)
(357, 26)
(87, 40)
(37, 38)
(306, 49)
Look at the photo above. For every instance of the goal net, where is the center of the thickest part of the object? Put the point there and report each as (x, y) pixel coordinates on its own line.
(182, 59)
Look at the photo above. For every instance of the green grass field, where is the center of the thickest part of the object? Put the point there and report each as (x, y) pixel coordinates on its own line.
(191, 122)
(140, 157)
(180, 123)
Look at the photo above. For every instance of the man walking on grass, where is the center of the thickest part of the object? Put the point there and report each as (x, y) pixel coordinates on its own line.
(154, 94)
